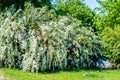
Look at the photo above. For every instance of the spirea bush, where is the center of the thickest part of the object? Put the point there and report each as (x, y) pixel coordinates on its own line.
(37, 40)
(111, 37)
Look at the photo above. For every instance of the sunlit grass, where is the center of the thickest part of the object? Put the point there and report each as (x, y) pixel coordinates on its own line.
(64, 75)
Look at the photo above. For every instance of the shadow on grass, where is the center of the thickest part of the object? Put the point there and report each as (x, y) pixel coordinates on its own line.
(65, 70)
(74, 70)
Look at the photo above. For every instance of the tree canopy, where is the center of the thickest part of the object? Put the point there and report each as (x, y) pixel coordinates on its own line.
(109, 15)
(78, 9)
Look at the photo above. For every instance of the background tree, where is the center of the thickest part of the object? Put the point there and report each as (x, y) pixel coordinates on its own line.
(108, 26)
(77, 9)
(20, 3)
(109, 14)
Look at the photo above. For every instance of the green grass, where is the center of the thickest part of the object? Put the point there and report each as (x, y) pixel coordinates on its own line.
(64, 75)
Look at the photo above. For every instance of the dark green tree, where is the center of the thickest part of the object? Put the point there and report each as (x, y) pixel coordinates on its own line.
(20, 3)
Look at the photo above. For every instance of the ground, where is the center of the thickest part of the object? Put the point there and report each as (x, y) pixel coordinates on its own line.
(61, 75)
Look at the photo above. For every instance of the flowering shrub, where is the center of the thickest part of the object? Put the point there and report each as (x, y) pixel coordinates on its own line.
(35, 40)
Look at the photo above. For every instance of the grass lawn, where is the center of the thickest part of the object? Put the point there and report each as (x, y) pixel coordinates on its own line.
(63, 75)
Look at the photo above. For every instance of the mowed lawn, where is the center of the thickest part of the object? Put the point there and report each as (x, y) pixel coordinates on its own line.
(63, 75)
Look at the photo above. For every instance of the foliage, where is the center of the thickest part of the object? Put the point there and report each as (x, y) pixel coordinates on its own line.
(107, 25)
(77, 9)
(111, 37)
(109, 14)
(20, 3)
(35, 40)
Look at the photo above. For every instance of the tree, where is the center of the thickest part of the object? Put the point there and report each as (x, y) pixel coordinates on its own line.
(20, 3)
(108, 23)
(111, 37)
(109, 14)
(77, 9)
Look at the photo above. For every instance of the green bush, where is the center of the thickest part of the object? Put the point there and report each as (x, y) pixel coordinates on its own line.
(111, 37)
(35, 40)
